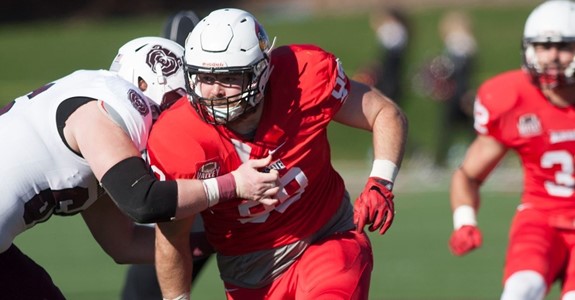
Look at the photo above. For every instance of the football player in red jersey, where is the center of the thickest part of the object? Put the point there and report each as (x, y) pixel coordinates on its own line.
(530, 111)
(247, 101)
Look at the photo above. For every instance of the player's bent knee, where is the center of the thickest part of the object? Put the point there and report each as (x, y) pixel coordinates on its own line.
(524, 285)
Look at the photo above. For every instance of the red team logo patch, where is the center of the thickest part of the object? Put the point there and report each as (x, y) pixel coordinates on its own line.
(529, 125)
(208, 170)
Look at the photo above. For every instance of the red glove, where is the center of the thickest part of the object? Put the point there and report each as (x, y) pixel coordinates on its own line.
(374, 206)
(465, 239)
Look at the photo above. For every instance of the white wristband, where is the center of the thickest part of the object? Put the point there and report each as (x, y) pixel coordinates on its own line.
(464, 215)
(184, 296)
(384, 169)
(212, 191)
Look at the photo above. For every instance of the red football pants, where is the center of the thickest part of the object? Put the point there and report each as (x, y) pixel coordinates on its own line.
(338, 267)
(544, 243)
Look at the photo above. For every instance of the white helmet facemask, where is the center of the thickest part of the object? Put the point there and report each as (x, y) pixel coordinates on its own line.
(551, 22)
(227, 42)
(157, 61)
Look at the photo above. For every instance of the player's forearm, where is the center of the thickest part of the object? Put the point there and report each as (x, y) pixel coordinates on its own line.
(140, 243)
(119, 237)
(464, 190)
(464, 199)
(135, 246)
(192, 198)
(173, 263)
(173, 278)
(390, 134)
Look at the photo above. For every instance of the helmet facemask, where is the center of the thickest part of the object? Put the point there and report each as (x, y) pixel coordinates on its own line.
(221, 110)
(542, 75)
(551, 24)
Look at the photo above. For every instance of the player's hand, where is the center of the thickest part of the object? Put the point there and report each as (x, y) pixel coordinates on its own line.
(251, 184)
(374, 206)
(465, 239)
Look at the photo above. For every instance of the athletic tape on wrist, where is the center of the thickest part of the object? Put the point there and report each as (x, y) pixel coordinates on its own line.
(220, 188)
(464, 215)
(184, 296)
(212, 191)
(384, 169)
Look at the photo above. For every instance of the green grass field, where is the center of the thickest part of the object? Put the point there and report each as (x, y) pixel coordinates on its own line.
(412, 261)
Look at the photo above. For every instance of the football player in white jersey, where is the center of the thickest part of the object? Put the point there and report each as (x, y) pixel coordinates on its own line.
(61, 140)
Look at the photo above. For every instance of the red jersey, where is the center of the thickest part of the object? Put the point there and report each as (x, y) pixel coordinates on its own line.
(306, 88)
(516, 113)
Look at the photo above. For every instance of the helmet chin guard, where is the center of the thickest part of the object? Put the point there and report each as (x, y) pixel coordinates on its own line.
(227, 41)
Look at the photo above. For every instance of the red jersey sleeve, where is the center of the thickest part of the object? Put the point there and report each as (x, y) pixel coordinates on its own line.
(182, 146)
(495, 99)
(322, 81)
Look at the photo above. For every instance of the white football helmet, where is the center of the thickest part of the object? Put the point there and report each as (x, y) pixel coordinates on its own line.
(553, 21)
(157, 61)
(227, 41)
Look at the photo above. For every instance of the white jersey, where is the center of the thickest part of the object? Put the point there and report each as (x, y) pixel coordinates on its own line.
(41, 176)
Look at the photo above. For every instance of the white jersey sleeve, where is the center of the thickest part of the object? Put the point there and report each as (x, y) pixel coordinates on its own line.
(122, 101)
(41, 175)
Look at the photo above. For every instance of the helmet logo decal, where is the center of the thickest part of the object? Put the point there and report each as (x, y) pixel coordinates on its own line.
(262, 37)
(138, 102)
(214, 64)
(169, 62)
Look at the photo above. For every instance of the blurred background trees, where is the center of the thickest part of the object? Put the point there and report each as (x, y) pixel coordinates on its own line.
(27, 10)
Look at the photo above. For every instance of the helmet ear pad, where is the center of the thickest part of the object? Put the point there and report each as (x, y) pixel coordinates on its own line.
(228, 41)
(550, 22)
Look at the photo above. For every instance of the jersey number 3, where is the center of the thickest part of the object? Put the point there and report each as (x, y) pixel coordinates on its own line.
(564, 181)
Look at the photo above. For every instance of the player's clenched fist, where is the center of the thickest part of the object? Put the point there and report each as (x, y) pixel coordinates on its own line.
(374, 206)
(465, 239)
